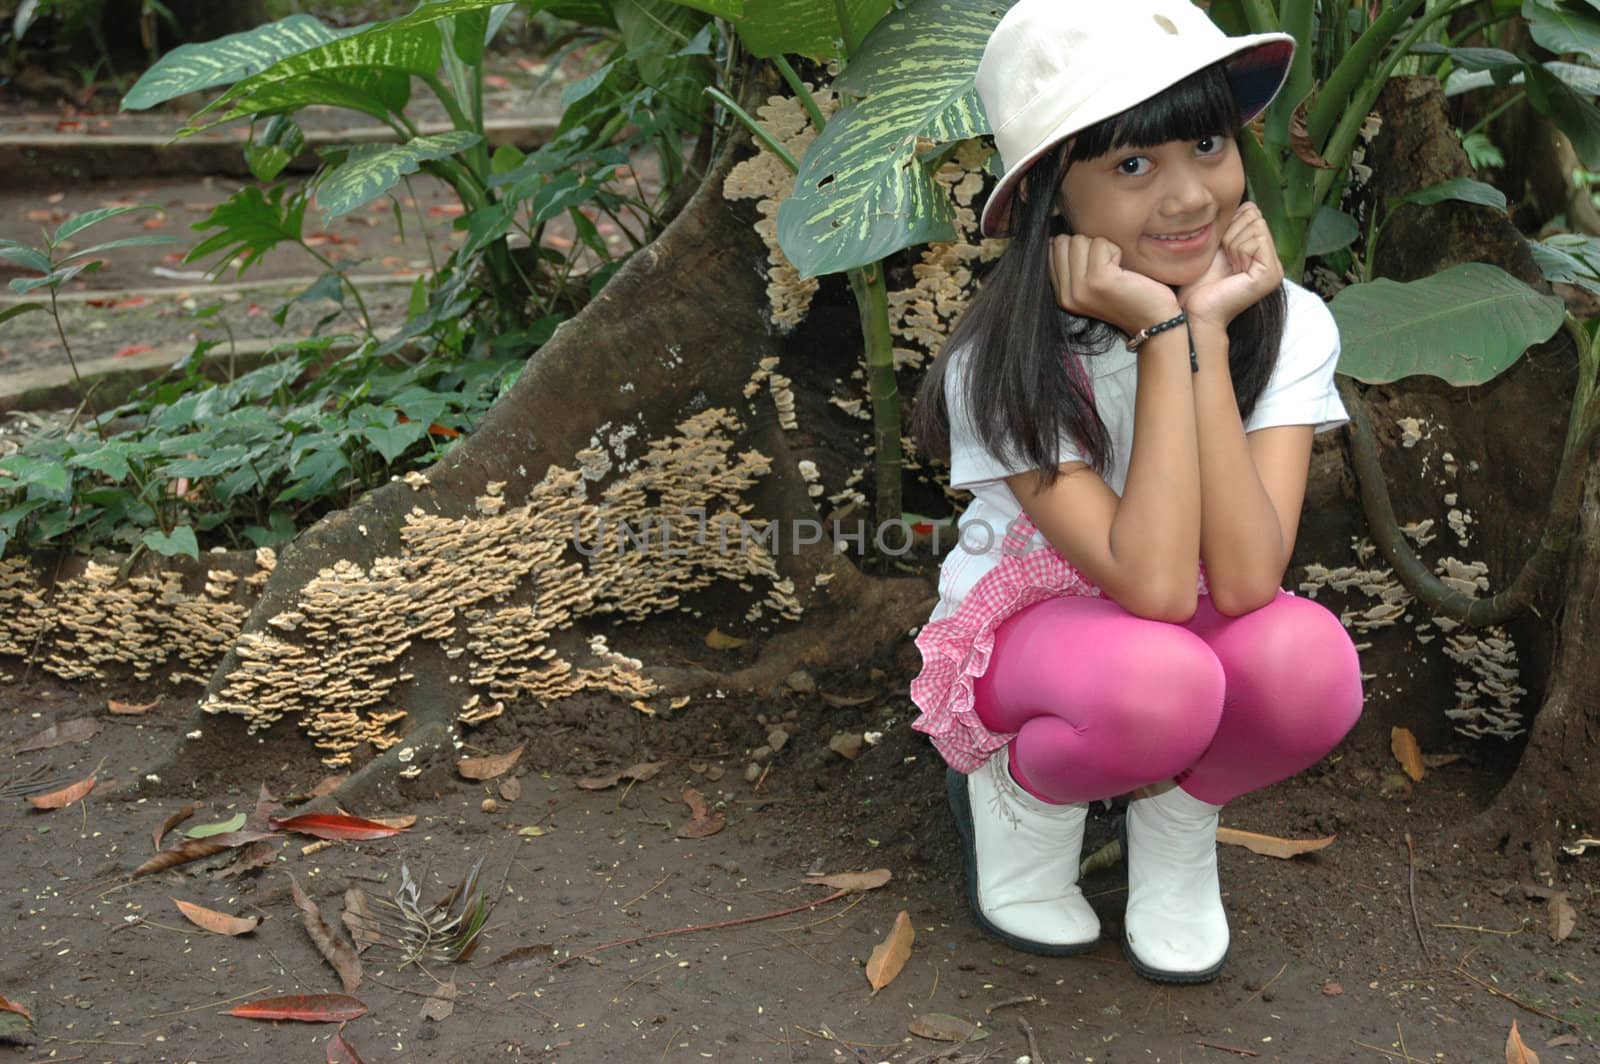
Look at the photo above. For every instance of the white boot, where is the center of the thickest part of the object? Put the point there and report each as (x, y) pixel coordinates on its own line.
(1022, 861)
(1175, 929)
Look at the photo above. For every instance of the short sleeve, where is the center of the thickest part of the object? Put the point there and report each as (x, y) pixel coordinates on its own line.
(971, 463)
(1301, 389)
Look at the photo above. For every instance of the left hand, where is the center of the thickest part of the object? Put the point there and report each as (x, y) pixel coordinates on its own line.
(1243, 272)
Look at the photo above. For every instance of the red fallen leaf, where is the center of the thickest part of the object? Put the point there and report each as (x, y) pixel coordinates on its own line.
(64, 797)
(335, 950)
(131, 301)
(446, 210)
(69, 126)
(255, 310)
(495, 81)
(436, 429)
(158, 221)
(129, 709)
(135, 349)
(195, 849)
(12, 1006)
(342, 1052)
(335, 826)
(101, 304)
(307, 1008)
(487, 768)
(215, 922)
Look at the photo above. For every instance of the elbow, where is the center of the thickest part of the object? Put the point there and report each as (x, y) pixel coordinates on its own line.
(1175, 605)
(1232, 600)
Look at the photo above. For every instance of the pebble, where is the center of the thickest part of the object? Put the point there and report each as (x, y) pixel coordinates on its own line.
(489, 805)
(801, 682)
(846, 744)
(762, 753)
(715, 773)
(777, 738)
(752, 772)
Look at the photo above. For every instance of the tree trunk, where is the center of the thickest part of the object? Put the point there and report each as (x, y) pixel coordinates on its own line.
(367, 616)
(1493, 452)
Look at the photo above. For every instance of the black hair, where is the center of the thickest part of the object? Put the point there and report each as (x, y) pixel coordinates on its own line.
(1025, 384)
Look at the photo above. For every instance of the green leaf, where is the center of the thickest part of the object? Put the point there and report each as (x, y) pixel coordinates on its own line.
(394, 440)
(79, 222)
(1466, 325)
(54, 279)
(1329, 231)
(181, 541)
(18, 311)
(1569, 258)
(48, 475)
(729, 9)
(110, 458)
(1563, 28)
(23, 255)
(373, 169)
(221, 827)
(192, 67)
(251, 225)
(277, 145)
(811, 27)
(1457, 188)
(862, 193)
(144, 240)
(214, 462)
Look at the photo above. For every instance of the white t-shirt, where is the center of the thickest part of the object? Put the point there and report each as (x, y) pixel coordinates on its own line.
(1300, 391)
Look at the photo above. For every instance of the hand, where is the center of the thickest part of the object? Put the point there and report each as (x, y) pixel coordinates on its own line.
(1089, 280)
(1243, 272)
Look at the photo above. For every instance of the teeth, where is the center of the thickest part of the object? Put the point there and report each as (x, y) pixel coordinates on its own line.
(1183, 236)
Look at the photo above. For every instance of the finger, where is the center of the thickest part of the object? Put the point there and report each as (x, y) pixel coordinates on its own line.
(1050, 260)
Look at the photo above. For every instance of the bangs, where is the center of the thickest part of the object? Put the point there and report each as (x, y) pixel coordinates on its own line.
(1201, 105)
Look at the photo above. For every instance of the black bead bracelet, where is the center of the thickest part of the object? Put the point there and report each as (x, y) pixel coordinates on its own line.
(1138, 339)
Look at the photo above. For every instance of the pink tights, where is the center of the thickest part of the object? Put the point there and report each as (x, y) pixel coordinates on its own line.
(1104, 702)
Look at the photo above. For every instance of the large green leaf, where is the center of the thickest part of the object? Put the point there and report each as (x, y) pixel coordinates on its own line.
(1464, 189)
(1466, 325)
(192, 67)
(1570, 258)
(808, 27)
(862, 193)
(251, 223)
(373, 169)
(733, 9)
(1563, 28)
(1573, 115)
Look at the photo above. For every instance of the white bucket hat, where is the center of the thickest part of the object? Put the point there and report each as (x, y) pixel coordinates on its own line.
(1055, 67)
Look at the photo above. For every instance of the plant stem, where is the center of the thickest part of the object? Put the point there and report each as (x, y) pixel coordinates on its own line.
(755, 128)
(1496, 113)
(801, 92)
(366, 319)
(83, 392)
(872, 301)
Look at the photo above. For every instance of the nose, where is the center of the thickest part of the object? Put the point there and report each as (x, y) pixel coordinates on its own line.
(1187, 194)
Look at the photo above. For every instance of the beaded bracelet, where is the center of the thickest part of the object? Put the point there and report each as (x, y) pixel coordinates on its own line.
(1144, 334)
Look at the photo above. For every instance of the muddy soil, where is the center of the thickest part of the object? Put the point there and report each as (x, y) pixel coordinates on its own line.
(1330, 962)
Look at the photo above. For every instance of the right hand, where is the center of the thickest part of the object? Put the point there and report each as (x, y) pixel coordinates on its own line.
(1089, 281)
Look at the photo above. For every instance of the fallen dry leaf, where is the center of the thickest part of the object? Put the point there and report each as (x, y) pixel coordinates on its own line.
(856, 881)
(406, 821)
(1563, 917)
(646, 770)
(307, 1008)
(845, 701)
(487, 768)
(538, 949)
(717, 639)
(128, 709)
(890, 955)
(12, 1006)
(64, 797)
(1440, 760)
(1561, 1040)
(256, 855)
(171, 822)
(66, 731)
(1516, 1051)
(441, 1003)
(265, 804)
(327, 785)
(335, 826)
(943, 1027)
(215, 922)
(1331, 989)
(359, 921)
(1404, 747)
(702, 822)
(510, 789)
(335, 950)
(342, 1052)
(195, 849)
(1271, 845)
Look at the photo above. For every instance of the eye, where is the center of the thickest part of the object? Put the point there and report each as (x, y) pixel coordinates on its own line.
(1218, 142)
(1122, 166)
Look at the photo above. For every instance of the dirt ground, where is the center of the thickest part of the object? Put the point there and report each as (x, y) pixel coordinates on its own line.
(1326, 965)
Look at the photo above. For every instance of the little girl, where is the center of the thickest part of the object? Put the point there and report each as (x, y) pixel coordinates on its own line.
(1131, 400)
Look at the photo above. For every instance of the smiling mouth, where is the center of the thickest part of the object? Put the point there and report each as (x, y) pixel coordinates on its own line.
(1190, 235)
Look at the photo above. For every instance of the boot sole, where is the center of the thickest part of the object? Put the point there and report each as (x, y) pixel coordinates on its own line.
(1157, 975)
(961, 808)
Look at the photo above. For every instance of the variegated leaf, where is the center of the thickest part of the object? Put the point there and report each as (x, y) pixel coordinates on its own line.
(862, 192)
(1466, 325)
(805, 27)
(373, 169)
(192, 67)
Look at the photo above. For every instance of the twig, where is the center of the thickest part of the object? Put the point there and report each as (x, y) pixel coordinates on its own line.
(1390, 1053)
(647, 893)
(1023, 999)
(765, 769)
(1229, 1049)
(1515, 1001)
(668, 1046)
(1411, 887)
(1033, 1043)
(935, 988)
(1269, 982)
(214, 1004)
(1484, 930)
(835, 896)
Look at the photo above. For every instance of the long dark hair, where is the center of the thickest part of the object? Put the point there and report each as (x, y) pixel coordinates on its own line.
(1025, 384)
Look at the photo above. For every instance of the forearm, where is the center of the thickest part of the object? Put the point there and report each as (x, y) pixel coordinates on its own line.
(1241, 540)
(1158, 521)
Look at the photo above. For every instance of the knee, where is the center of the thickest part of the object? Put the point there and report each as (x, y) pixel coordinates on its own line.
(1309, 673)
(1172, 688)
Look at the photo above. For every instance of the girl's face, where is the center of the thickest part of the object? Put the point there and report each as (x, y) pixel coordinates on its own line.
(1132, 196)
